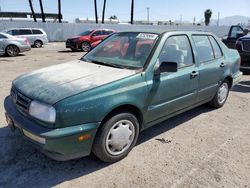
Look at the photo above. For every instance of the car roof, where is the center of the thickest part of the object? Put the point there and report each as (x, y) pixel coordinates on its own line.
(162, 31)
(23, 28)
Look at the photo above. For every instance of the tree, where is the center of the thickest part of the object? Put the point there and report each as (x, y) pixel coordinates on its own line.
(32, 10)
(103, 11)
(59, 11)
(114, 17)
(208, 14)
(96, 16)
(132, 12)
(42, 12)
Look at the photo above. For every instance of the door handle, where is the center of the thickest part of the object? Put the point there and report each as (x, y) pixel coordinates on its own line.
(194, 74)
(222, 65)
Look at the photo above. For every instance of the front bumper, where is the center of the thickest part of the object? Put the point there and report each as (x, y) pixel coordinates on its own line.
(237, 78)
(60, 144)
(72, 45)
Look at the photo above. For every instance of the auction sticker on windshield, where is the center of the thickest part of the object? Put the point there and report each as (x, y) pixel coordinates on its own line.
(147, 36)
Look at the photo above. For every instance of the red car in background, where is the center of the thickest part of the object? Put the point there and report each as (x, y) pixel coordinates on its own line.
(84, 40)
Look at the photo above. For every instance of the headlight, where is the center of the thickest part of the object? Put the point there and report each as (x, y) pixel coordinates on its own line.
(43, 112)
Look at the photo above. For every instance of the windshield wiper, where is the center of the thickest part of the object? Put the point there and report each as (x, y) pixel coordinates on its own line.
(106, 64)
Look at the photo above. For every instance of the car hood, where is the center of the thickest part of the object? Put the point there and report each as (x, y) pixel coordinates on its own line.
(52, 84)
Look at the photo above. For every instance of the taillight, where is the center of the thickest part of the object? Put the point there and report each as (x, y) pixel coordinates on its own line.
(238, 46)
(26, 41)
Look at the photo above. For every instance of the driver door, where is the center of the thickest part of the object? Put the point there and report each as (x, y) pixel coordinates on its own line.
(96, 36)
(232, 37)
(173, 92)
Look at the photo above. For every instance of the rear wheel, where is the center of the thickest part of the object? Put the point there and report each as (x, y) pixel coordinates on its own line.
(116, 138)
(85, 47)
(221, 95)
(12, 50)
(38, 44)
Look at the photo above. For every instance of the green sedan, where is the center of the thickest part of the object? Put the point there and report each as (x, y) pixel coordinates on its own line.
(129, 82)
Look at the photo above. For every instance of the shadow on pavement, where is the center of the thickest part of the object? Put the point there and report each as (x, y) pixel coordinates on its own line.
(243, 87)
(23, 165)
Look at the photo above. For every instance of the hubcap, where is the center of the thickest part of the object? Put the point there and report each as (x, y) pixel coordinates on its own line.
(38, 44)
(85, 47)
(222, 93)
(120, 137)
(12, 50)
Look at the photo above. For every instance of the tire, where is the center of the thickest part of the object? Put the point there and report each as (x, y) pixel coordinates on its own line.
(221, 95)
(38, 44)
(86, 47)
(116, 137)
(12, 50)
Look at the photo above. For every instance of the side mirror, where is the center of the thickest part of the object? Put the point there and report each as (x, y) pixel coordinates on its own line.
(168, 67)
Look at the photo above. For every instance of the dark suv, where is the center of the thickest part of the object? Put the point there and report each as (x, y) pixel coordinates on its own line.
(239, 39)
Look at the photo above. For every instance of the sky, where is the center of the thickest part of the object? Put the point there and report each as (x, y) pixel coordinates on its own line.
(159, 10)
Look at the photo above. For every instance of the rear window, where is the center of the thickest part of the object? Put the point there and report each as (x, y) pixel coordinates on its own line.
(204, 48)
(25, 32)
(216, 47)
(37, 31)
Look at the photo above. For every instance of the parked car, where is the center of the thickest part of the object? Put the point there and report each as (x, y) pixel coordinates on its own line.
(84, 40)
(12, 46)
(36, 36)
(129, 82)
(239, 39)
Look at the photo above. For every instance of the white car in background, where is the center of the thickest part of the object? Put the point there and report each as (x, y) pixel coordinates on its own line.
(36, 36)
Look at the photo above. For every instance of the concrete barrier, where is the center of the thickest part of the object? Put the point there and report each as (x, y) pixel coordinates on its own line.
(61, 31)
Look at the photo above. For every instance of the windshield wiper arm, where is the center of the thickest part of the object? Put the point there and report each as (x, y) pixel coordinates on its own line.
(107, 64)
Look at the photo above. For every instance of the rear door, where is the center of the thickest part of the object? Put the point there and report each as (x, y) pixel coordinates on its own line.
(26, 33)
(211, 65)
(175, 91)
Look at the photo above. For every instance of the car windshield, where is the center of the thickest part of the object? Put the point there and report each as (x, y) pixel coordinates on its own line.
(125, 50)
(85, 33)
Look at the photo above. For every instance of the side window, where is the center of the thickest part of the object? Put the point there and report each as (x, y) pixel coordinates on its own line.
(204, 48)
(97, 33)
(25, 32)
(177, 49)
(15, 32)
(235, 30)
(36, 32)
(10, 32)
(216, 47)
(2, 36)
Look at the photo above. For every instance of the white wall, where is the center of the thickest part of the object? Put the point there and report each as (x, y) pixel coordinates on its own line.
(61, 31)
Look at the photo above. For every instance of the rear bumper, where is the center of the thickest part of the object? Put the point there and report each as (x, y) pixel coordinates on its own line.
(60, 144)
(24, 48)
(237, 78)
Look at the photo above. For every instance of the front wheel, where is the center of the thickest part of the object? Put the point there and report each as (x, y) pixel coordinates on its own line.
(221, 95)
(85, 47)
(116, 138)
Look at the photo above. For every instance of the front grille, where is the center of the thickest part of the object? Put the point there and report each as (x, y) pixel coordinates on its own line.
(21, 101)
(246, 45)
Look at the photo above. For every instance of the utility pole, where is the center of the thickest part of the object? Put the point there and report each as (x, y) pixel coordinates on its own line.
(148, 15)
(96, 16)
(103, 11)
(32, 10)
(218, 21)
(132, 12)
(42, 12)
(59, 12)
